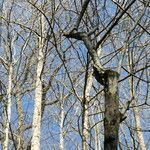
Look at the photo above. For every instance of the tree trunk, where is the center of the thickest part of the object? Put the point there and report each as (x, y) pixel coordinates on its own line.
(8, 108)
(138, 126)
(97, 137)
(20, 120)
(133, 99)
(112, 114)
(62, 126)
(85, 127)
(109, 79)
(137, 118)
(85, 113)
(36, 125)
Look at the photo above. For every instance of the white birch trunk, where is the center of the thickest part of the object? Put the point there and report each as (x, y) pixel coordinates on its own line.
(20, 120)
(85, 131)
(138, 127)
(36, 125)
(138, 123)
(61, 127)
(97, 137)
(8, 110)
(136, 112)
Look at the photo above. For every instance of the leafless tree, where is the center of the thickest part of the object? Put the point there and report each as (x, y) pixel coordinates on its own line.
(74, 74)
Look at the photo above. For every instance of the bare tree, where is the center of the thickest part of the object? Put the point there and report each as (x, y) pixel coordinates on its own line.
(74, 74)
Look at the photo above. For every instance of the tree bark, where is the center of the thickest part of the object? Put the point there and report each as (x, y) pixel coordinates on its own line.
(112, 114)
(138, 126)
(136, 117)
(85, 113)
(134, 103)
(8, 108)
(36, 125)
(20, 120)
(97, 144)
(62, 115)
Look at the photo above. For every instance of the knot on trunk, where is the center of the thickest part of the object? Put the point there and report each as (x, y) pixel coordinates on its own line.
(102, 75)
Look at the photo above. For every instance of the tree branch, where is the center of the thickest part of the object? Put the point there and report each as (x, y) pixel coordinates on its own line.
(114, 24)
(84, 7)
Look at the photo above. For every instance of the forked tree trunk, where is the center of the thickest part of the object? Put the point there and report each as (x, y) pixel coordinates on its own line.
(109, 79)
(112, 114)
(36, 125)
